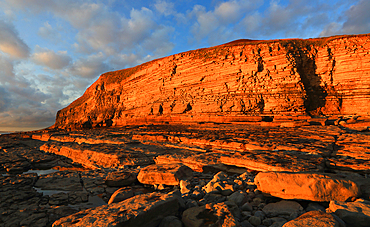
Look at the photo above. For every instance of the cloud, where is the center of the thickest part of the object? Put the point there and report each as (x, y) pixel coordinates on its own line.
(51, 59)
(50, 33)
(4, 99)
(90, 67)
(355, 20)
(218, 25)
(164, 7)
(11, 43)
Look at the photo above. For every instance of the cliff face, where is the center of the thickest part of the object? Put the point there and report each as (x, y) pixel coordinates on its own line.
(232, 82)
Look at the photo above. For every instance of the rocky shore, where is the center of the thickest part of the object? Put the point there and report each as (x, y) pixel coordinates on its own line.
(300, 172)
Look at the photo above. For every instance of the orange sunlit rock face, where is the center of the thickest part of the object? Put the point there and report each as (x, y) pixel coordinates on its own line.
(232, 82)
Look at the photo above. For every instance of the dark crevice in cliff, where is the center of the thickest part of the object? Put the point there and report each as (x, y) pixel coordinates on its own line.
(188, 108)
(301, 55)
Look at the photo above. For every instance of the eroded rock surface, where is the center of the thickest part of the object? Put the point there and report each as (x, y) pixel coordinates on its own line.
(168, 174)
(143, 210)
(117, 155)
(307, 186)
(353, 213)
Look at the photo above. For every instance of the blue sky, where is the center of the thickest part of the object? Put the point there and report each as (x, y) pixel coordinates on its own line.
(52, 50)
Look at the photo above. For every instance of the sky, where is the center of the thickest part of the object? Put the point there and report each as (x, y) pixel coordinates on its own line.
(51, 51)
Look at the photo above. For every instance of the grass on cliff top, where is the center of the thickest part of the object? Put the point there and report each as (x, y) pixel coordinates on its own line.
(320, 42)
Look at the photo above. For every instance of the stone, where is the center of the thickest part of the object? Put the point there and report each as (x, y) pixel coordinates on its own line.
(57, 199)
(247, 207)
(246, 223)
(256, 221)
(168, 174)
(352, 213)
(306, 186)
(209, 215)
(314, 206)
(265, 160)
(141, 210)
(283, 207)
(170, 221)
(95, 156)
(238, 197)
(313, 218)
(219, 184)
(185, 186)
(120, 195)
(78, 197)
(120, 179)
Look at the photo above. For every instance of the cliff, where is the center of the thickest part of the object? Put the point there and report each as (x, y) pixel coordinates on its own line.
(239, 81)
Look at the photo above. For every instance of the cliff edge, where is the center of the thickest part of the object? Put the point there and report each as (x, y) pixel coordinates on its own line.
(232, 82)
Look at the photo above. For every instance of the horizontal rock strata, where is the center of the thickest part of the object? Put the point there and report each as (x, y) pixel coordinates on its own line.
(241, 81)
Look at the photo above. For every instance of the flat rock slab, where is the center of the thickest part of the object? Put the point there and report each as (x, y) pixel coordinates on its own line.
(197, 162)
(98, 155)
(291, 161)
(62, 181)
(168, 174)
(313, 218)
(352, 213)
(141, 210)
(353, 152)
(306, 186)
(209, 215)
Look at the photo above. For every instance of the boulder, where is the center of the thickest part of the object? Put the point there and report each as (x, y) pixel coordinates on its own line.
(209, 215)
(170, 221)
(238, 198)
(219, 184)
(314, 218)
(120, 179)
(306, 186)
(352, 213)
(167, 174)
(141, 210)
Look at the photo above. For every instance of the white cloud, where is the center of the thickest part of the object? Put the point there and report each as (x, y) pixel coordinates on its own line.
(218, 25)
(50, 33)
(51, 59)
(229, 12)
(90, 67)
(164, 7)
(11, 43)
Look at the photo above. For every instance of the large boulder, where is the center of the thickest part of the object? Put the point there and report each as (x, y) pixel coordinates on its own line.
(168, 174)
(142, 210)
(314, 218)
(306, 186)
(352, 213)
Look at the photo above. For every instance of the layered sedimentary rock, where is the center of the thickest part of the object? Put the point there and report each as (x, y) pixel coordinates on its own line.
(232, 82)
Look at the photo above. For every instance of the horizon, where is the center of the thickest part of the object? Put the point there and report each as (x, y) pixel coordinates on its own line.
(52, 51)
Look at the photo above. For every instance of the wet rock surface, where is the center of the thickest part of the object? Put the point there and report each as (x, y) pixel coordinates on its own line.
(202, 173)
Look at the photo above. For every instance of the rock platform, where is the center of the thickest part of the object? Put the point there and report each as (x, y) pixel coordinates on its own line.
(200, 174)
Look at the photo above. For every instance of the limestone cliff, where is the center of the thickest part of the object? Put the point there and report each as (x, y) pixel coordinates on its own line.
(232, 82)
